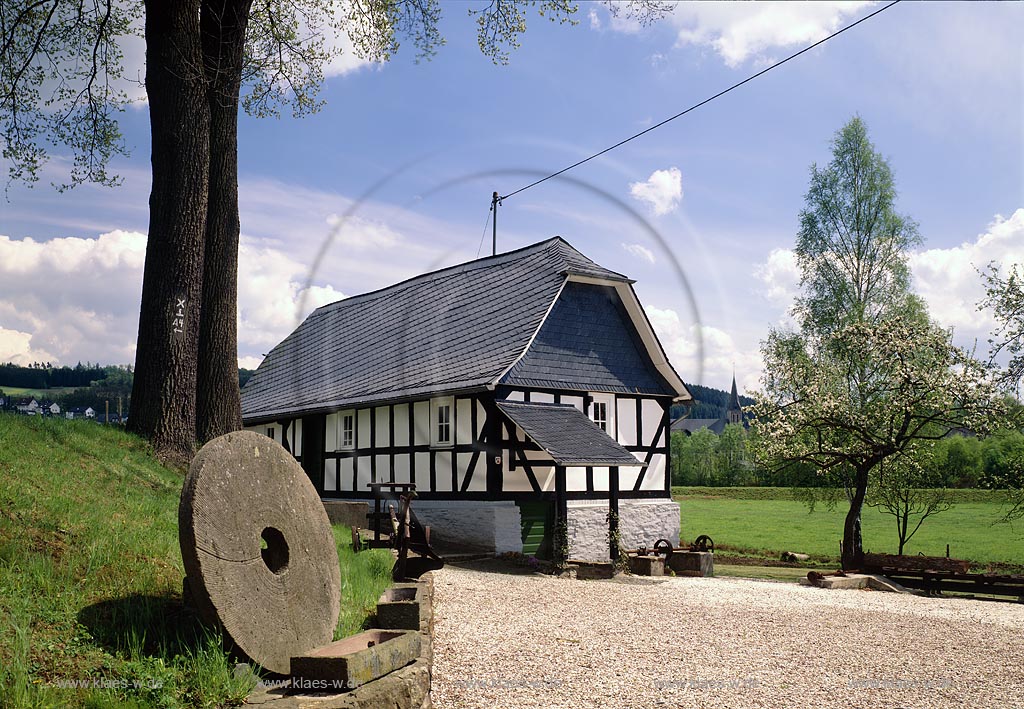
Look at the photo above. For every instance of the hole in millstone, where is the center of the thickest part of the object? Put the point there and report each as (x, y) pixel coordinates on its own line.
(274, 550)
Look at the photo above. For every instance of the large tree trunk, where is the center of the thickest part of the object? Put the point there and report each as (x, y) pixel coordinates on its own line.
(218, 402)
(853, 547)
(163, 394)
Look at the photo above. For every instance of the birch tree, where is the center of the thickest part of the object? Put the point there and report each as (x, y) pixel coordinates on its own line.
(867, 377)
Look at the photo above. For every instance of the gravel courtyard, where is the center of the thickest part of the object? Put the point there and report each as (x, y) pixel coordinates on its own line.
(509, 640)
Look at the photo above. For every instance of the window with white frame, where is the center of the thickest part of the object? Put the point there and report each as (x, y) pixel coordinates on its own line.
(347, 430)
(441, 421)
(602, 412)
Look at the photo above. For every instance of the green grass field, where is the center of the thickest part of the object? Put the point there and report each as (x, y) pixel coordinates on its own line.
(763, 522)
(37, 394)
(90, 576)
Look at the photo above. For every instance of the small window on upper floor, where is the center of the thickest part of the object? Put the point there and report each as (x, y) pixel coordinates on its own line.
(602, 412)
(441, 411)
(346, 430)
(270, 432)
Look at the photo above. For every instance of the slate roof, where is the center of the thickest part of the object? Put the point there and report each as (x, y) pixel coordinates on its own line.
(588, 342)
(734, 397)
(694, 425)
(569, 437)
(454, 330)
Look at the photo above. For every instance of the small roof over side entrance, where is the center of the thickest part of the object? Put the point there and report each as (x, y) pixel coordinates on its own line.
(569, 437)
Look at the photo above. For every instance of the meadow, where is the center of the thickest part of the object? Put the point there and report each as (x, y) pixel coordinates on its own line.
(91, 576)
(764, 522)
(37, 394)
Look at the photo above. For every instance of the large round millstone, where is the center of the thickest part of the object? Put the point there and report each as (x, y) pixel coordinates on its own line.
(258, 549)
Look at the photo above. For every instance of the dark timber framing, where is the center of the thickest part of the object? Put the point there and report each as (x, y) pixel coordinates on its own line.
(494, 443)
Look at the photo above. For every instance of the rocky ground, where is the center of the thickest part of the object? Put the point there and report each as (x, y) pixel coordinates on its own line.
(507, 639)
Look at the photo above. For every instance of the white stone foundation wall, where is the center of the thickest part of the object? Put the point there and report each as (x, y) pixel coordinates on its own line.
(474, 524)
(641, 523)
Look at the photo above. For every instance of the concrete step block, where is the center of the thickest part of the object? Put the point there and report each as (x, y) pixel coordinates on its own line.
(353, 661)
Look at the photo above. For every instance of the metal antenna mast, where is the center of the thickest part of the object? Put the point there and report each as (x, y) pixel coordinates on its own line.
(495, 201)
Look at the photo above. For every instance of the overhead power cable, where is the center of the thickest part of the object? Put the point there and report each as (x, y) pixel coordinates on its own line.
(707, 100)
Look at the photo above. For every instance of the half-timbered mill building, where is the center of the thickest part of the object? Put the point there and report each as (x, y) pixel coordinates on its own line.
(514, 391)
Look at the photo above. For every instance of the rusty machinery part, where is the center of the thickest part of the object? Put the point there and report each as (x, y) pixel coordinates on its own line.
(411, 536)
(258, 549)
(663, 546)
(703, 543)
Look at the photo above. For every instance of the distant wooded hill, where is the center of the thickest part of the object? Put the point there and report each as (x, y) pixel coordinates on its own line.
(45, 376)
(79, 386)
(709, 403)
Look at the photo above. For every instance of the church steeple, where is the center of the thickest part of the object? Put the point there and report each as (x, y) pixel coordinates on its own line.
(735, 411)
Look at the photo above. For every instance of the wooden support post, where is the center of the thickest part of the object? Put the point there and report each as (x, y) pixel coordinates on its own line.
(613, 512)
(560, 497)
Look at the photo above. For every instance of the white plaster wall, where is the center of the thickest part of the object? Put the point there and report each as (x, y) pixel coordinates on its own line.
(382, 424)
(401, 424)
(296, 437)
(641, 522)
(463, 420)
(363, 428)
(654, 475)
(626, 417)
(652, 414)
(491, 526)
(587, 527)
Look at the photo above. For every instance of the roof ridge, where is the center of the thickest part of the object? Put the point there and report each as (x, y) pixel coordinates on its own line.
(516, 402)
(455, 269)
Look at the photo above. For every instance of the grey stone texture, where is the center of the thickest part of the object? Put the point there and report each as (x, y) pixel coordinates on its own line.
(647, 565)
(399, 607)
(357, 659)
(641, 523)
(244, 491)
(405, 688)
(692, 563)
(350, 514)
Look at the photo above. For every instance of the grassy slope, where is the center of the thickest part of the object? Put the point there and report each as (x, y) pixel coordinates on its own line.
(771, 522)
(90, 575)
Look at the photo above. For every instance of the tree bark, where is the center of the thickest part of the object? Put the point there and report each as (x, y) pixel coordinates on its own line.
(164, 390)
(853, 547)
(218, 402)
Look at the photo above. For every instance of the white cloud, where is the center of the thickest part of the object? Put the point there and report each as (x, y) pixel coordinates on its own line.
(595, 19)
(662, 190)
(16, 347)
(271, 288)
(780, 277)
(74, 298)
(348, 60)
(948, 279)
(722, 354)
(640, 251)
(359, 233)
(249, 362)
(740, 31)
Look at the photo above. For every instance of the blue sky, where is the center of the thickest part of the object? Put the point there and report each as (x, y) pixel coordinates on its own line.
(412, 151)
